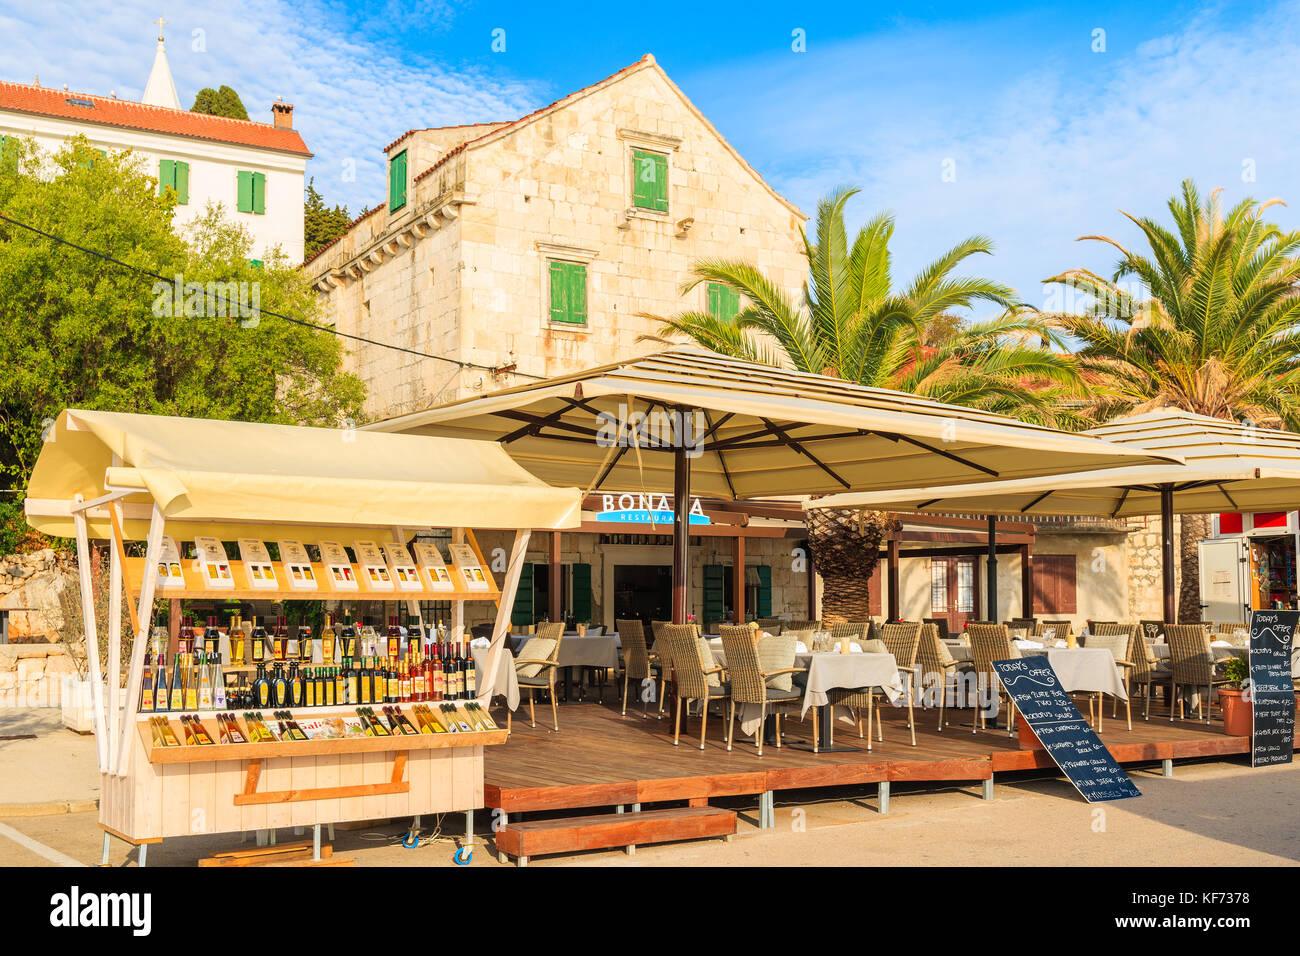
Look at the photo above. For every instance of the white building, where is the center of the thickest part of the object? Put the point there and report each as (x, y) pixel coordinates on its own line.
(255, 170)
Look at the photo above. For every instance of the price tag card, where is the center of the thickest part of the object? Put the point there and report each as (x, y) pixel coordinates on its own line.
(466, 562)
(373, 567)
(430, 559)
(403, 569)
(169, 564)
(297, 565)
(338, 567)
(257, 564)
(213, 563)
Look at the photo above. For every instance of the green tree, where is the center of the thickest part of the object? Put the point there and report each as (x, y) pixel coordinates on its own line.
(853, 323)
(321, 224)
(220, 102)
(77, 331)
(1205, 319)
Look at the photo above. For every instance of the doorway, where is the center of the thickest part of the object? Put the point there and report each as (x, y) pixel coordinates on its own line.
(954, 590)
(643, 592)
(1273, 572)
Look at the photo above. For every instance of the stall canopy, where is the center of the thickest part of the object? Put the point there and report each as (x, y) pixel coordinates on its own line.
(1229, 466)
(206, 475)
(733, 429)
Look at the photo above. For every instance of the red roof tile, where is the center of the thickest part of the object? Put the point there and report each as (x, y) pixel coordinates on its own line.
(107, 111)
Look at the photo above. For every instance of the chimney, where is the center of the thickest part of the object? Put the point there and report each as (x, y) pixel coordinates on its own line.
(282, 114)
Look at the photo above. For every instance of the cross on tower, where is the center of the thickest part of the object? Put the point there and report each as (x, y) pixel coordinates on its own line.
(160, 21)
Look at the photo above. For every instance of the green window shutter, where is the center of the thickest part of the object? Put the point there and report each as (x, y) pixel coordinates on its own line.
(181, 181)
(661, 183)
(397, 182)
(522, 611)
(724, 303)
(715, 597)
(764, 591)
(580, 575)
(568, 293)
(649, 180)
(166, 175)
(259, 194)
(256, 263)
(245, 199)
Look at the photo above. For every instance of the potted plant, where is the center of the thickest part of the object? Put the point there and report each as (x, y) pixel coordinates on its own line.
(1234, 704)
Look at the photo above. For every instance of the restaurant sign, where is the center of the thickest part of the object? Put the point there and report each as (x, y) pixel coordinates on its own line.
(1272, 695)
(1065, 735)
(645, 509)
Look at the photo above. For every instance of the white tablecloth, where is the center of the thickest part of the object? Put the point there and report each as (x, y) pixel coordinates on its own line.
(507, 683)
(1086, 669)
(589, 651)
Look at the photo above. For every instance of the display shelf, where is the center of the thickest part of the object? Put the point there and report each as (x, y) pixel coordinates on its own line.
(196, 588)
(305, 748)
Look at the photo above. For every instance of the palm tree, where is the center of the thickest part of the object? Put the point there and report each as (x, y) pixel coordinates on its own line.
(851, 322)
(1216, 334)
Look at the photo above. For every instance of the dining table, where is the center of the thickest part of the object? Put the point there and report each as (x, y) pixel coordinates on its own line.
(578, 650)
(506, 681)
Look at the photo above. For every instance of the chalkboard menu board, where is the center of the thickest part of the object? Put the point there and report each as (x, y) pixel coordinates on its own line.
(1272, 736)
(1076, 748)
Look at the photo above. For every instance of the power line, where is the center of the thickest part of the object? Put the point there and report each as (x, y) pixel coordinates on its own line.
(287, 318)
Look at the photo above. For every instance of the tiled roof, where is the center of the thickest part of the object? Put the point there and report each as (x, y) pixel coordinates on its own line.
(125, 114)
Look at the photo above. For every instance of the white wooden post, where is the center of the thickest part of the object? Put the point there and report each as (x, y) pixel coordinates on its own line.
(91, 631)
(113, 666)
(412, 604)
(148, 582)
(458, 607)
(502, 626)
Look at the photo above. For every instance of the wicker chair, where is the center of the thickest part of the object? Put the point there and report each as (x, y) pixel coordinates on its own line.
(1193, 665)
(771, 625)
(989, 643)
(935, 658)
(940, 624)
(636, 658)
(1115, 638)
(545, 678)
(801, 626)
(1147, 670)
(750, 684)
(901, 640)
(1061, 630)
(691, 676)
(856, 631)
(659, 654)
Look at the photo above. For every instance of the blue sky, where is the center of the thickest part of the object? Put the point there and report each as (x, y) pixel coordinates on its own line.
(1047, 137)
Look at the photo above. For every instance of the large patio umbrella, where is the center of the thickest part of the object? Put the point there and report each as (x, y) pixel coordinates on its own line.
(686, 421)
(1228, 466)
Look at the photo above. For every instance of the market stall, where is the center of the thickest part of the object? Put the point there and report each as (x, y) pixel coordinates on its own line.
(189, 489)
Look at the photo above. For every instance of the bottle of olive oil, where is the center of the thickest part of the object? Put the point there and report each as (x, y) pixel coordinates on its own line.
(327, 640)
(262, 687)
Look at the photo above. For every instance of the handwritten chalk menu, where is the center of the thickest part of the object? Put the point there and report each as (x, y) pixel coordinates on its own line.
(297, 565)
(466, 562)
(1272, 735)
(257, 564)
(1076, 748)
(374, 569)
(213, 563)
(400, 564)
(169, 564)
(430, 559)
(338, 567)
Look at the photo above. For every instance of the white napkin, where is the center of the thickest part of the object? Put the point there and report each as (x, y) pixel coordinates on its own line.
(480, 642)
(800, 647)
(1029, 645)
(1060, 644)
(1221, 643)
(855, 647)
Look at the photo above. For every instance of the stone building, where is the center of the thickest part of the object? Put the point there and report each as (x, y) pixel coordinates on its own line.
(535, 247)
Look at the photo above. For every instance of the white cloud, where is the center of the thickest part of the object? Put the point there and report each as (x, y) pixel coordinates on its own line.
(351, 95)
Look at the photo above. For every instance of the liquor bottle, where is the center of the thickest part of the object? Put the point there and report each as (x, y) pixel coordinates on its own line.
(198, 732)
(238, 642)
(279, 686)
(328, 680)
(292, 645)
(309, 688)
(394, 639)
(369, 640)
(211, 637)
(404, 683)
(339, 687)
(353, 695)
(418, 684)
(204, 682)
(185, 637)
(364, 685)
(348, 640)
(439, 678)
(218, 684)
(327, 641)
(380, 681)
(304, 643)
(146, 689)
(394, 691)
(279, 639)
(318, 685)
(471, 677)
(180, 684)
(258, 640)
(296, 696)
(262, 688)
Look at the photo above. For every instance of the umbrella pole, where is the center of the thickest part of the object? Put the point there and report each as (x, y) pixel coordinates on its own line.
(681, 529)
(1167, 552)
(991, 578)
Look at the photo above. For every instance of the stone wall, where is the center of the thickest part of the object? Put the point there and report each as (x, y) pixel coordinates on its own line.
(35, 665)
(35, 675)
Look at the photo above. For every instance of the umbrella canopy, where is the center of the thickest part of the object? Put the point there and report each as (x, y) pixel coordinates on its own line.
(229, 478)
(1228, 467)
(753, 431)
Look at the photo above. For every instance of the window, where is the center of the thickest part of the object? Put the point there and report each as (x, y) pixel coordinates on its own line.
(174, 175)
(649, 180)
(724, 303)
(252, 193)
(939, 587)
(1054, 584)
(256, 263)
(397, 182)
(568, 292)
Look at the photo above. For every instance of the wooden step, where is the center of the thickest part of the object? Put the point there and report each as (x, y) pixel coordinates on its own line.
(607, 830)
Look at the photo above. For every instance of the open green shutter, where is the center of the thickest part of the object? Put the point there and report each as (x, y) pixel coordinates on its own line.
(577, 293)
(397, 182)
(559, 292)
(580, 575)
(715, 593)
(660, 201)
(642, 179)
(522, 611)
(764, 591)
(244, 201)
(259, 193)
(181, 180)
(166, 175)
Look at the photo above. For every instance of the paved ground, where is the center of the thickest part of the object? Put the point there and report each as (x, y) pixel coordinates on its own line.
(56, 766)
(1208, 814)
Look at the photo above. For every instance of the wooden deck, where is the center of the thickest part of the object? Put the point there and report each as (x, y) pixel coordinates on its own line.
(599, 758)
